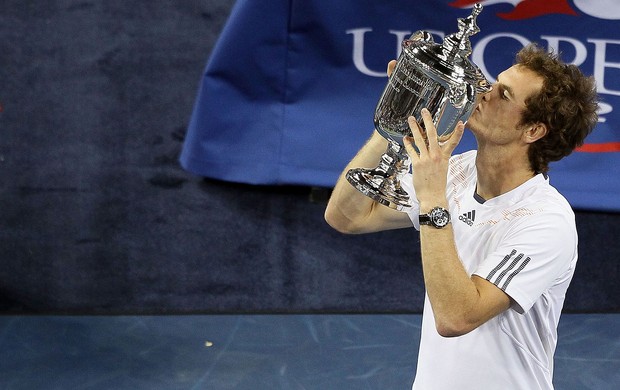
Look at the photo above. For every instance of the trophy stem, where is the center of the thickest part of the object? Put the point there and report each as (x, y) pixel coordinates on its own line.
(382, 183)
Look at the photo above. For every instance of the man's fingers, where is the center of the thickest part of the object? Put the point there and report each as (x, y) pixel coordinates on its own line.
(429, 127)
(426, 139)
(411, 150)
(390, 67)
(416, 131)
(452, 142)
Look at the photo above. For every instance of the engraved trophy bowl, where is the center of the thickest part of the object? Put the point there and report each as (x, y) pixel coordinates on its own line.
(439, 77)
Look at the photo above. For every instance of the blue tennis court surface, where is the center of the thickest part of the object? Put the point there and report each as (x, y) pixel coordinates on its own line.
(373, 351)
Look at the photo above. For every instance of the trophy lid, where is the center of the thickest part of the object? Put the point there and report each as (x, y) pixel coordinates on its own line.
(458, 43)
(449, 61)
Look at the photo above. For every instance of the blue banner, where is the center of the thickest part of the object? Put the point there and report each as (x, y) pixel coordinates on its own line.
(289, 91)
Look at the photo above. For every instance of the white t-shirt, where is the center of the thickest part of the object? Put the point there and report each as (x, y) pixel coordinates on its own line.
(524, 242)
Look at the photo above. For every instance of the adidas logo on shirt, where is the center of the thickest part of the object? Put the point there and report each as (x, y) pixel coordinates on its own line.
(468, 217)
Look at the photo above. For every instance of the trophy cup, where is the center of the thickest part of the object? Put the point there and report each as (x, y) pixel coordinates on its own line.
(438, 77)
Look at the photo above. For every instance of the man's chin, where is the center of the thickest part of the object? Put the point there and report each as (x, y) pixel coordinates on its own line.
(471, 123)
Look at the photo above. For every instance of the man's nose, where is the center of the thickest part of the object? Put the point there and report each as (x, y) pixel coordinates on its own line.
(487, 95)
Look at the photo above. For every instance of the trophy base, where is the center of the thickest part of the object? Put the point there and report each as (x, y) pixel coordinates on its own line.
(385, 190)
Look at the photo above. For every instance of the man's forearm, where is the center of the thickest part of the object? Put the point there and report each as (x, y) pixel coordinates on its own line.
(348, 207)
(449, 288)
(460, 303)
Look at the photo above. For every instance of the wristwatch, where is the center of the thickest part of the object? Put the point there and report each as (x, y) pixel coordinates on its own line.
(438, 217)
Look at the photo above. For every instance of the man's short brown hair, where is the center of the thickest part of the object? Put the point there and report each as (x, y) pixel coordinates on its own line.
(566, 104)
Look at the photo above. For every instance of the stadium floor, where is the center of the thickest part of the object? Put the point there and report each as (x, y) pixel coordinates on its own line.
(290, 351)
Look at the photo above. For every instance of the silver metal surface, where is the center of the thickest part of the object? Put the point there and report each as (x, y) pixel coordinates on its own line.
(428, 75)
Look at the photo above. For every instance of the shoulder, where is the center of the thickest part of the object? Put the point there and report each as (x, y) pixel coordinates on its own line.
(543, 208)
(544, 197)
(466, 159)
(543, 223)
(534, 213)
(462, 170)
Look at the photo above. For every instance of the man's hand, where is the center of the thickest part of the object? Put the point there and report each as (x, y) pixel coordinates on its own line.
(430, 166)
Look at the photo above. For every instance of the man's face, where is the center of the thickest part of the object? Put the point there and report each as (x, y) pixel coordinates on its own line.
(499, 112)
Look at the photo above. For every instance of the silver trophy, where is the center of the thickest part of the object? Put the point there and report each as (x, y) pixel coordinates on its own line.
(438, 77)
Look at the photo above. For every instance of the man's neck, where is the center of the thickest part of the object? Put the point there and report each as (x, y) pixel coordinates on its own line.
(501, 171)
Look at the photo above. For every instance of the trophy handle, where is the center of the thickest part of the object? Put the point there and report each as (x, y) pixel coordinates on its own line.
(382, 183)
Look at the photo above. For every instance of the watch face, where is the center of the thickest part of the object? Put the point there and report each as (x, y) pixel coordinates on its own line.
(439, 217)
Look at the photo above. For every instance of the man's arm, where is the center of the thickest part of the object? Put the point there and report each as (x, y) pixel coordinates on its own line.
(350, 211)
(460, 303)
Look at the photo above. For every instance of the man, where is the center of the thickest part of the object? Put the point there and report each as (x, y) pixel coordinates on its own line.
(497, 273)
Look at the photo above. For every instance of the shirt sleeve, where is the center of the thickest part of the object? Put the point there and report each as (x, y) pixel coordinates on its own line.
(537, 252)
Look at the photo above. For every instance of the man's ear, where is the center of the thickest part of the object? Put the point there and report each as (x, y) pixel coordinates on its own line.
(535, 132)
